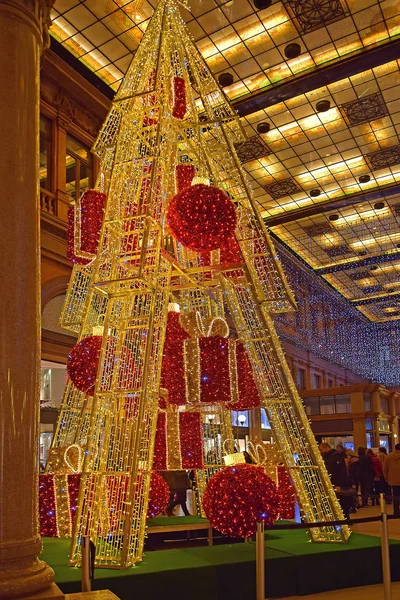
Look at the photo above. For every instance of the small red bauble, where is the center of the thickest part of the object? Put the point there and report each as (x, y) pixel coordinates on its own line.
(158, 496)
(202, 217)
(237, 498)
(83, 362)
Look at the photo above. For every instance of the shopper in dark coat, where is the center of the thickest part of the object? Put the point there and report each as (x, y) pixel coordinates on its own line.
(365, 476)
(178, 483)
(337, 471)
(385, 487)
(376, 484)
(391, 473)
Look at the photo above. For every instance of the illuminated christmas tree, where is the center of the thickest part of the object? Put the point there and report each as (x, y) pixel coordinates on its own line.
(179, 225)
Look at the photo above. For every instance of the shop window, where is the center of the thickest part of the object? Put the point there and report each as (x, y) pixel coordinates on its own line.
(240, 418)
(367, 401)
(312, 406)
(53, 377)
(384, 405)
(383, 425)
(79, 168)
(45, 153)
(317, 381)
(327, 405)
(264, 420)
(369, 423)
(343, 404)
(349, 446)
(384, 441)
(370, 440)
(301, 379)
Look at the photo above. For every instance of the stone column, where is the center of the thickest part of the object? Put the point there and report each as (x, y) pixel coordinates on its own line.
(359, 429)
(255, 431)
(23, 33)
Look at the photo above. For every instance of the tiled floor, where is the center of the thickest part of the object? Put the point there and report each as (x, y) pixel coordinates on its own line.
(363, 593)
(373, 592)
(374, 528)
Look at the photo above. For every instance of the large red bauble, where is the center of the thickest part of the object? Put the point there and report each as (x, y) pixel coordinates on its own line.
(158, 496)
(237, 498)
(202, 217)
(83, 362)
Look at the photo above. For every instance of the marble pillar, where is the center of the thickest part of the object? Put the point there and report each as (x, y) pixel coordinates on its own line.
(23, 34)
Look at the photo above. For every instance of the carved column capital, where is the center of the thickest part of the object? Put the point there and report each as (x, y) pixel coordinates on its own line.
(37, 12)
(45, 7)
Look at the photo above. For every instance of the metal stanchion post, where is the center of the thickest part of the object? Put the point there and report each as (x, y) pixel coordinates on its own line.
(85, 582)
(387, 592)
(260, 562)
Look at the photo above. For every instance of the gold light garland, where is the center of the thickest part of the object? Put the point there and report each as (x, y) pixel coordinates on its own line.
(132, 279)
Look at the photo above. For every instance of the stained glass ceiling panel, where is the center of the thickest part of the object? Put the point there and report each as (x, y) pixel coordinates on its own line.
(231, 34)
(357, 250)
(329, 151)
(307, 158)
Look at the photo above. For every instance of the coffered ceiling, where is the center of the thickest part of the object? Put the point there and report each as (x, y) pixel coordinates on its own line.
(326, 181)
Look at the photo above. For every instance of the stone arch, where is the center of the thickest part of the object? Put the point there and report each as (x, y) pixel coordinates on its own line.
(54, 287)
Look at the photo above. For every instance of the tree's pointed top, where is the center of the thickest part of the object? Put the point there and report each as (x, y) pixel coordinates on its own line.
(183, 3)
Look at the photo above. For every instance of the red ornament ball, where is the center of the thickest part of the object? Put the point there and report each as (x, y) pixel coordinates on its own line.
(83, 362)
(238, 497)
(202, 217)
(158, 497)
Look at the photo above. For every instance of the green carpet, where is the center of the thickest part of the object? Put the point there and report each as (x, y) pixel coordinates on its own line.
(294, 566)
(159, 521)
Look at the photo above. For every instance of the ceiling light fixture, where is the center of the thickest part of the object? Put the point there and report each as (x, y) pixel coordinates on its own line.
(260, 4)
(225, 79)
(364, 179)
(323, 106)
(333, 217)
(263, 127)
(314, 193)
(292, 50)
(379, 205)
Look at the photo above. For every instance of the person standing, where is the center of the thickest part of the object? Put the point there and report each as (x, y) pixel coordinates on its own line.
(353, 467)
(337, 471)
(382, 454)
(391, 473)
(365, 475)
(378, 470)
(385, 488)
(341, 450)
(178, 483)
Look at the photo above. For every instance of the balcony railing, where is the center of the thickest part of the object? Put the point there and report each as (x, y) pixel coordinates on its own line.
(48, 202)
